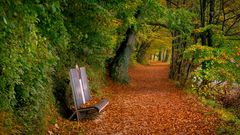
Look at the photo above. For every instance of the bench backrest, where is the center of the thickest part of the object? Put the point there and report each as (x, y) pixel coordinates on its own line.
(83, 75)
(79, 84)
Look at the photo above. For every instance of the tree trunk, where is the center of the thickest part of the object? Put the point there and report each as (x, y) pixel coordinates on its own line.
(180, 68)
(167, 55)
(159, 55)
(209, 37)
(162, 55)
(224, 14)
(141, 53)
(203, 4)
(119, 66)
(189, 70)
(174, 60)
(211, 17)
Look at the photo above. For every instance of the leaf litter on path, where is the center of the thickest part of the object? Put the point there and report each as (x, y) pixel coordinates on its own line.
(151, 104)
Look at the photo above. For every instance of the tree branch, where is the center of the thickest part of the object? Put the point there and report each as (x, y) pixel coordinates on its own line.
(232, 17)
(237, 19)
(233, 34)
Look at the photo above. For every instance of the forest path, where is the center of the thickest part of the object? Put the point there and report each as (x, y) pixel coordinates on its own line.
(151, 104)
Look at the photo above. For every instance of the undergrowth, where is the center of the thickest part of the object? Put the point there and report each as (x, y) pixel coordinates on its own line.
(230, 118)
(40, 41)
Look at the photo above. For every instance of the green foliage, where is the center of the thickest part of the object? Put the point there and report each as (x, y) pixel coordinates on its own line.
(203, 29)
(133, 60)
(40, 41)
(209, 102)
(231, 121)
(223, 60)
(25, 87)
(87, 39)
(180, 20)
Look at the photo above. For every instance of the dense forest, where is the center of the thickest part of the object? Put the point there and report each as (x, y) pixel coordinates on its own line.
(40, 40)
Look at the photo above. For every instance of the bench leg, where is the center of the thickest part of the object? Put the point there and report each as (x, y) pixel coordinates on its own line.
(75, 113)
(81, 113)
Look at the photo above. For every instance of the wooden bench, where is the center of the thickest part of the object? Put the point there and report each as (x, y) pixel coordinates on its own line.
(81, 93)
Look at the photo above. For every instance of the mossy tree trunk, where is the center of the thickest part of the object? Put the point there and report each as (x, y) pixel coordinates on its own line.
(119, 65)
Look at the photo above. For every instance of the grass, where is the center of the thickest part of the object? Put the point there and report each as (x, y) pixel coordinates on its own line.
(230, 121)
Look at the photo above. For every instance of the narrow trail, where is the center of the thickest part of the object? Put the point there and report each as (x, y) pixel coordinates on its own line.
(151, 104)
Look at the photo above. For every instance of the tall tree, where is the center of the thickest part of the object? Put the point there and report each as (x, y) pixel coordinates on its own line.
(211, 21)
(119, 65)
(203, 7)
(146, 10)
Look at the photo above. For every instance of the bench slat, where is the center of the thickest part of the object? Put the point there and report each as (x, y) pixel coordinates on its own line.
(83, 76)
(77, 89)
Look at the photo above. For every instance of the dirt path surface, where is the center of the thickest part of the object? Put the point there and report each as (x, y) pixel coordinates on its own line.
(151, 104)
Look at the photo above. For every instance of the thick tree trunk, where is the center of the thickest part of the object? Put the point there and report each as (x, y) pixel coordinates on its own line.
(119, 66)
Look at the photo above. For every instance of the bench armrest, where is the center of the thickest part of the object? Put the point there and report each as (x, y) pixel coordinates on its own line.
(101, 105)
